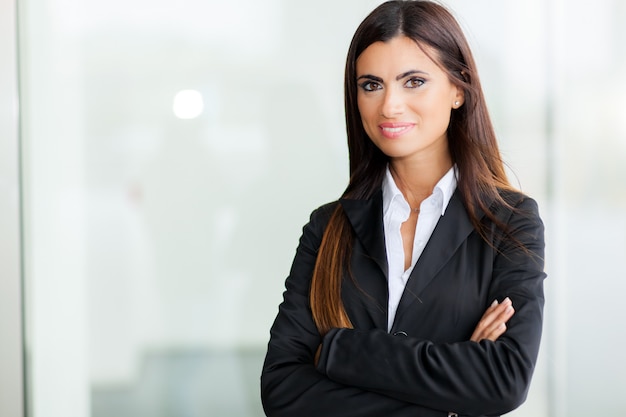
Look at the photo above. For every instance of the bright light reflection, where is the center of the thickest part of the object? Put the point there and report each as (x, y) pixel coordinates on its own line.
(188, 104)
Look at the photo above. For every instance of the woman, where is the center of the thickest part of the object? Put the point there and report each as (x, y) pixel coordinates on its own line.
(420, 292)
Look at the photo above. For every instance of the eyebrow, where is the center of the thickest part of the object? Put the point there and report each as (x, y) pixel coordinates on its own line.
(408, 73)
(398, 78)
(370, 77)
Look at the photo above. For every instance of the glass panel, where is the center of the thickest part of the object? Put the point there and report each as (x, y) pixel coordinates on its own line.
(589, 156)
(11, 362)
(151, 281)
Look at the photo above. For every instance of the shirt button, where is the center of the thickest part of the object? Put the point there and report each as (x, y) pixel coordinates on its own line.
(401, 333)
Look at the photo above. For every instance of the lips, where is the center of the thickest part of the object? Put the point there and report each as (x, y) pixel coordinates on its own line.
(394, 130)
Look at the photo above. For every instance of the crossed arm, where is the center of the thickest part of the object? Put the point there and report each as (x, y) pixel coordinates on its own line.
(414, 377)
(490, 327)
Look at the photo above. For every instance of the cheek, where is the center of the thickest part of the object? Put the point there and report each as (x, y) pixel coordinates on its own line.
(363, 108)
(436, 112)
(367, 112)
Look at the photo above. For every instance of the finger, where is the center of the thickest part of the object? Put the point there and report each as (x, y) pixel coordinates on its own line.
(491, 314)
(496, 320)
(485, 322)
(492, 324)
(498, 328)
(495, 333)
(491, 308)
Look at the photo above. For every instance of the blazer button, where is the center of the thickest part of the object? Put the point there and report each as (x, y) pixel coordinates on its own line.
(453, 414)
(401, 333)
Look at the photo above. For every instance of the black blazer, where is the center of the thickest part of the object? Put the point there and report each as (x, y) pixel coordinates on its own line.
(426, 365)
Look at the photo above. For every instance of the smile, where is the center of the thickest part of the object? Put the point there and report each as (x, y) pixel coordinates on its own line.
(394, 130)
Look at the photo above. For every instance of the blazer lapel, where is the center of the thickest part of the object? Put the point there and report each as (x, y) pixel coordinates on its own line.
(366, 218)
(451, 231)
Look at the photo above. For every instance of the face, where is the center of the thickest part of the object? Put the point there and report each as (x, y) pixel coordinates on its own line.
(405, 100)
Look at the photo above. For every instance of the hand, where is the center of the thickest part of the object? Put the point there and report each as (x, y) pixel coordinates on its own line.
(493, 323)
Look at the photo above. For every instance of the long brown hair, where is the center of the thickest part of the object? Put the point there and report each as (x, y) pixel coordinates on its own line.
(471, 140)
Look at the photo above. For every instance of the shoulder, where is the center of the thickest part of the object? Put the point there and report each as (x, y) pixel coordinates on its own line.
(514, 215)
(318, 220)
(320, 217)
(520, 214)
(308, 247)
(324, 212)
(515, 202)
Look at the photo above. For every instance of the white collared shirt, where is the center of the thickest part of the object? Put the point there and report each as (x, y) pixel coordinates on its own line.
(396, 211)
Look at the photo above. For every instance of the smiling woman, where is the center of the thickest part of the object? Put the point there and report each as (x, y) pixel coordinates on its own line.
(405, 100)
(365, 329)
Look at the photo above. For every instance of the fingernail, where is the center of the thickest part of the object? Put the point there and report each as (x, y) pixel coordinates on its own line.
(507, 300)
(495, 303)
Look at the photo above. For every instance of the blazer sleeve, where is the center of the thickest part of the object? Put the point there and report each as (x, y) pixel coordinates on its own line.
(290, 384)
(486, 378)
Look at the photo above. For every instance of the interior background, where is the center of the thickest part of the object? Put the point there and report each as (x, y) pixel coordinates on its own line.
(155, 248)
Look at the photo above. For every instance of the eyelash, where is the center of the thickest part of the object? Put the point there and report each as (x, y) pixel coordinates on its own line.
(419, 81)
(371, 86)
(367, 86)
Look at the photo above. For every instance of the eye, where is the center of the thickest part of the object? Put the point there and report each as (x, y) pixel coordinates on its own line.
(370, 86)
(414, 82)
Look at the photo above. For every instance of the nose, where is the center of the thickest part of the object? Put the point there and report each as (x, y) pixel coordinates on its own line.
(393, 103)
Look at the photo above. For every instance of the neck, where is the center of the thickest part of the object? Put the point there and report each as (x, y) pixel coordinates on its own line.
(417, 180)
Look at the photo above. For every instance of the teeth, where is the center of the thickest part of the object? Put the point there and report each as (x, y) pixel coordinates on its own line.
(393, 129)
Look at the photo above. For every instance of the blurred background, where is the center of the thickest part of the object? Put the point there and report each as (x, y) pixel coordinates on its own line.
(167, 154)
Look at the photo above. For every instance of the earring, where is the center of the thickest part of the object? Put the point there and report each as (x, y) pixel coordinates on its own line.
(456, 103)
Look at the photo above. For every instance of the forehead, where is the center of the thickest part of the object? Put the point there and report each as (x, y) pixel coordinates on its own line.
(396, 55)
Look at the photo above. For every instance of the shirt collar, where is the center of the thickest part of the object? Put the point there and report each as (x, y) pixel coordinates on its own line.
(446, 186)
(391, 192)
